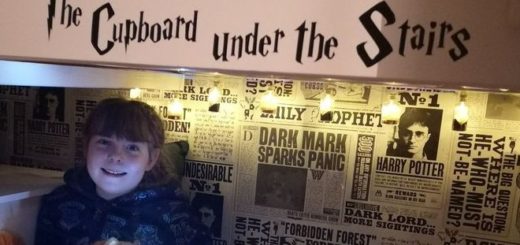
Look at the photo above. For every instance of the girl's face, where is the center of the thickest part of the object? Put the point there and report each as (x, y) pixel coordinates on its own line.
(118, 165)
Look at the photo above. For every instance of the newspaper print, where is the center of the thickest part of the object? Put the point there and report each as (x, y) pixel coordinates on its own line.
(299, 104)
(211, 186)
(362, 167)
(409, 167)
(292, 171)
(494, 111)
(284, 90)
(174, 129)
(38, 127)
(254, 179)
(213, 133)
(272, 230)
(483, 185)
(5, 129)
(394, 224)
(341, 90)
(209, 172)
(47, 132)
(405, 191)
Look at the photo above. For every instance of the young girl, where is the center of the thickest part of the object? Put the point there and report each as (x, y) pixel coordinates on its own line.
(123, 192)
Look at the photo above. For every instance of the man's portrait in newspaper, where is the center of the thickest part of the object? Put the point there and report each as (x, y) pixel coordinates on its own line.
(49, 104)
(417, 134)
(209, 208)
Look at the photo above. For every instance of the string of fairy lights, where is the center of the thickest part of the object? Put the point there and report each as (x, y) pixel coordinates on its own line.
(391, 110)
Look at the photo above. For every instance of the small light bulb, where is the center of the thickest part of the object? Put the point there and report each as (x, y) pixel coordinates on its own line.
(461, 114)
(175, 109)
(269, 102)
(390, 111)
(326, 104)
(135, 93)
(214, 95)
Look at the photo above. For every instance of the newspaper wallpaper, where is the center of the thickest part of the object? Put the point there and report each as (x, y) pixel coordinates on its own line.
(290, 178)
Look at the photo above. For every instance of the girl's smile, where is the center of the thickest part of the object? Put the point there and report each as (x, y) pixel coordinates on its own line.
(117, 165)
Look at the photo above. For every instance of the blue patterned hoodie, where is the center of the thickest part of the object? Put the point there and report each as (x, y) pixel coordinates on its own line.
(74, 214)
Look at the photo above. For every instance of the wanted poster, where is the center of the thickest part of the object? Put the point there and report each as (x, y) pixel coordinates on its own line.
(210, 186)
(409, 167)
(35, 119)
